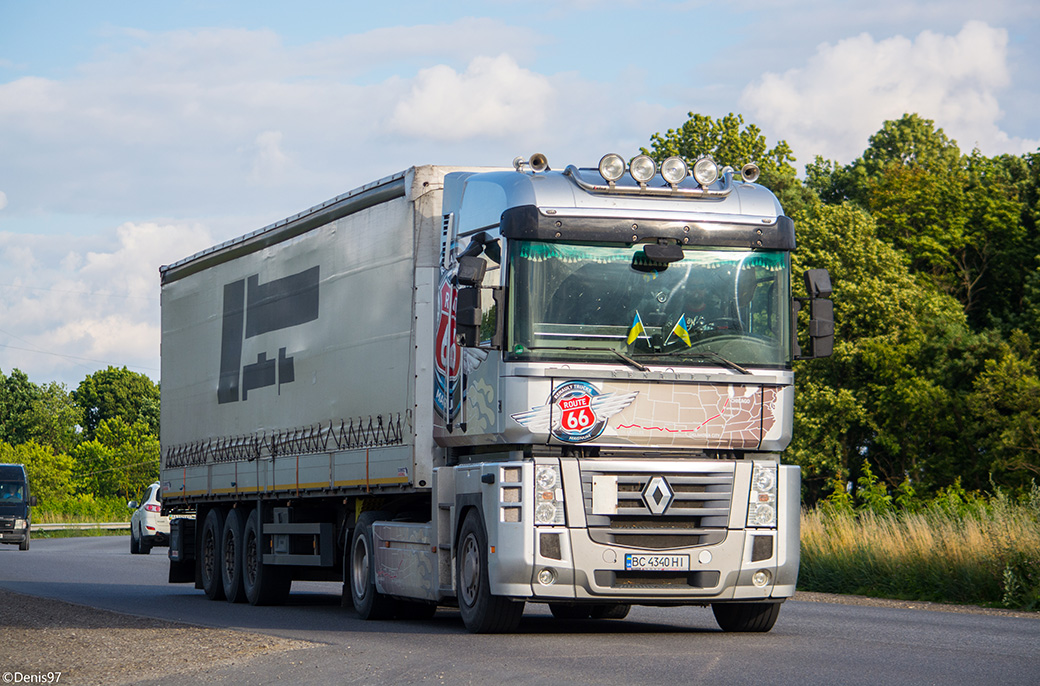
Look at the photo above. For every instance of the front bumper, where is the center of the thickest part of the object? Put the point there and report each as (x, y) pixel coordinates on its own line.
(14, 535)
(564, 563)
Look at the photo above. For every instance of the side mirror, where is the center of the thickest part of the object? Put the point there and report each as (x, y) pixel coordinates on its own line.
(132, 505)
(818, 283)
(468, 316)
(471, 271)
(821, 315)
(32, 501)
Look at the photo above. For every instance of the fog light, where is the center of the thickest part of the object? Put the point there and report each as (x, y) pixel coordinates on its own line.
(761, 578)
(547, 577)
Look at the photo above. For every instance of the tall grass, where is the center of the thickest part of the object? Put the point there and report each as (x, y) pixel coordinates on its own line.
(978, 550)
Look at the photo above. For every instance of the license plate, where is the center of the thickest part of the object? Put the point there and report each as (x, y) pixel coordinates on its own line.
(656, 563)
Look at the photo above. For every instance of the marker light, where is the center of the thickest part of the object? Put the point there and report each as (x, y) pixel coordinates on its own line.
(674, 170)
(642, 168)
(705, 171)
(611, 167)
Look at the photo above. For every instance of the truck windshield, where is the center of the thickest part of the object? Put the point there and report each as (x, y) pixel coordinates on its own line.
(589, 302)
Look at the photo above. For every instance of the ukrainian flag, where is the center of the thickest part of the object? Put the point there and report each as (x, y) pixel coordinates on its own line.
(637, 329)
(680, 330)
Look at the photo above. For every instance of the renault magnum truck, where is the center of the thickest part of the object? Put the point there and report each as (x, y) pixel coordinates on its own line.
(480, 388)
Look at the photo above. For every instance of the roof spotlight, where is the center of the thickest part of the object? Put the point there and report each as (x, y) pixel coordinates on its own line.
(642, 168)
(611, 167)
(674, 170)
(705, 171)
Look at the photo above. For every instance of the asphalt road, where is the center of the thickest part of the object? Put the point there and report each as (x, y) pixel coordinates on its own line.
(812, 642)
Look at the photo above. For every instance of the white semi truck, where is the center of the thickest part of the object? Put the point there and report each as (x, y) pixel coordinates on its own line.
(487, 387)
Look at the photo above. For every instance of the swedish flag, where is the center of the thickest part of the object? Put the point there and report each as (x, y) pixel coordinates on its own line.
(637, 329)
(681, 331)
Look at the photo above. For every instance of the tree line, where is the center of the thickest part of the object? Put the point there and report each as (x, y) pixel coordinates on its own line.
(99, 441)
(934, 255)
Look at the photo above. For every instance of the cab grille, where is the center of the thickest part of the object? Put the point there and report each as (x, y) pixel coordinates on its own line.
(697, 512)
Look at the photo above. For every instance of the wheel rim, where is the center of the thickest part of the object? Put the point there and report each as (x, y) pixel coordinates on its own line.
(359, 567)
(469, 584)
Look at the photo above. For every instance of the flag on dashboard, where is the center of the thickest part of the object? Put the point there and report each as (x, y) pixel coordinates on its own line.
(681, 331)
(637, 329)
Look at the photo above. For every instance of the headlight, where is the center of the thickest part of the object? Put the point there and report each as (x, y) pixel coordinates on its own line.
(548, 495)
(19, 523)
(705, 171)
(674, 170)
(762, 499)
(642, 168)
(611, 167)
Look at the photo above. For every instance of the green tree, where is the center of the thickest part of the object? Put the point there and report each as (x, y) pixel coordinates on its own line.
(50, 473)
(120, 461)
(117, 393)
(729, 141)
(870, 398)
(1006, 407)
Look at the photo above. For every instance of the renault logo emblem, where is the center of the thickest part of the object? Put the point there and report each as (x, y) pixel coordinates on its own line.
(657, 495)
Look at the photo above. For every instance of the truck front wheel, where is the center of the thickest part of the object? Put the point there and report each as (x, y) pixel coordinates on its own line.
(747, 617)
(209, 554)
(482, 612)
(368, 601)
(264, 584)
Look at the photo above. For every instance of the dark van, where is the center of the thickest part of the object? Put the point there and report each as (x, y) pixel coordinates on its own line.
(15, 505)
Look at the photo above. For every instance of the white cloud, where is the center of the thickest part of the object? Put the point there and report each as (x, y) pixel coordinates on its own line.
(842, 95)
(69, 306)
(494, 97)
(3, 200)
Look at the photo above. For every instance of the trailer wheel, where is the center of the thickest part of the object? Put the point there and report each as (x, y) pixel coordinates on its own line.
(482, 612)
(368, 601)
(209, 554)
(231, 557)
(264, 584)
(747, 617)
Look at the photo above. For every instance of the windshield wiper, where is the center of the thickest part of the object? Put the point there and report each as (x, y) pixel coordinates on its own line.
(623, 356)
(709, 355)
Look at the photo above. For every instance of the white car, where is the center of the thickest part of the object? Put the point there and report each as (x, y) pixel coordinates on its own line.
(148, 526)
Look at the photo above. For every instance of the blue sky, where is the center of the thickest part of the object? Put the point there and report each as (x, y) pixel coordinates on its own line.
(133, 134)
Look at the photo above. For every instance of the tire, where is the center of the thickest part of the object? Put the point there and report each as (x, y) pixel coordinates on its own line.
(264, 584)
(135, 543)
(24, 545)
(610, 611)
(209, 554)
(231, 557)
(482, 612)
(361, 565)
(746, 617)
(144, 545)
(570, 611)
